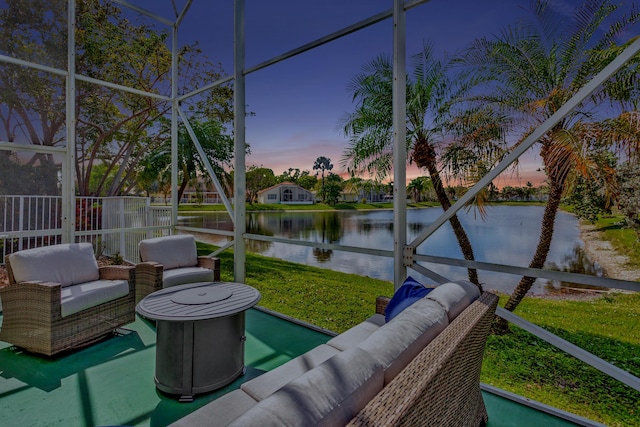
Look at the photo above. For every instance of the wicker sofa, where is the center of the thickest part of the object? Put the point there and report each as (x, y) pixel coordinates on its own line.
(170, 261)
(59, 299)
(420, 368)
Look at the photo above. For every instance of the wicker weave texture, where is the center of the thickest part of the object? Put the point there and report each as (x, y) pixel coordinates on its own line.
(149, 275)
(32, 317)
(381, 304)
(441, 386)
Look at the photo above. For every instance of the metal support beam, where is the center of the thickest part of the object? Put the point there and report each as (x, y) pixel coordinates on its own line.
(379, 17)
(12, 146)
(399, 143)
(174, 127)
(69, 161)
(144, 12)
(560, 276)
(430, 274)
(239, 148)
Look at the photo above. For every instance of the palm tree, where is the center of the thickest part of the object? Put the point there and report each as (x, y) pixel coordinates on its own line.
(355, 186)
(418, 186)
(431, 96)
(322, 164)
(537, 68)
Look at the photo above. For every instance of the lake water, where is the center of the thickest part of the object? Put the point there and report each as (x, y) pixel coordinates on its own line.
(508, 235)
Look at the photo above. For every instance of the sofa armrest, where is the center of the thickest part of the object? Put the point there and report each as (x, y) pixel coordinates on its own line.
(441, 385)
(148, 278)
(212, 263)
(381, 304)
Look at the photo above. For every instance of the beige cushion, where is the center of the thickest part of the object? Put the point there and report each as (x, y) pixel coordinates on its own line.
(179, 276)
(395, 344)
(170, 251)
(329, 395)
(66, 264)
(354, 336)
(220, 412)
(455, 296)
(79, 297)
(268, 383)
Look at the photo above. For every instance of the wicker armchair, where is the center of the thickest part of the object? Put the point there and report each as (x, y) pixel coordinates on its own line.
(59, 299)
(172, 260)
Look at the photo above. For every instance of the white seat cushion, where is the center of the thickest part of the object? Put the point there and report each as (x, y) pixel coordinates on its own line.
(268, 383)
(220, 412)
(395, 344)
(455, 296)
(354, 336)
(170, 251)
(331, 394)
(66, 264)
(179, 276)
(79, 297)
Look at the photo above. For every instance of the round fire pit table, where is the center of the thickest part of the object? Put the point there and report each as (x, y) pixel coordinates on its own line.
(200, 335)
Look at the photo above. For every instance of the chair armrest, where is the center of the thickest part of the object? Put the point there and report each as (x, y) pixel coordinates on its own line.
(148, 276)
(40, 299)
(118, 272)
(381, 304)
(212, 263)
(7, 264)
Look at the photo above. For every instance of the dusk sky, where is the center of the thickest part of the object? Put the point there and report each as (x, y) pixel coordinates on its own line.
(299, 103)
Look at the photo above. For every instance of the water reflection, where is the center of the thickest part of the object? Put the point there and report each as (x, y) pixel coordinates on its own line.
(578, 262)
(322, 255)
(509, 236)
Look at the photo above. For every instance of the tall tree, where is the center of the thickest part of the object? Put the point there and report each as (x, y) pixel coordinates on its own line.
(216, 144)
(432, 94)
(32, 102)
(321, 165)
(258, 178)
(307, 181)
(119, 128)
(116, 129)
(537, 67)
(333, 188)
(302, 178)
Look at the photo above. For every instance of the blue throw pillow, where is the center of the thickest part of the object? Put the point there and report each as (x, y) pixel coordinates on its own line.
(410, 292)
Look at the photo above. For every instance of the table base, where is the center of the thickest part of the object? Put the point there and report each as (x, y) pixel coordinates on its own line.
(194, 357)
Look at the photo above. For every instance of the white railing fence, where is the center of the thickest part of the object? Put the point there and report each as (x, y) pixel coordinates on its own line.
(114, 225)
(29, 221)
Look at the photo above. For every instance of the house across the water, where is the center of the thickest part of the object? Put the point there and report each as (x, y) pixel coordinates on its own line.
(285, 193)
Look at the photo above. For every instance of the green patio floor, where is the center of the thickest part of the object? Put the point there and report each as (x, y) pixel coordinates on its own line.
(111, 382)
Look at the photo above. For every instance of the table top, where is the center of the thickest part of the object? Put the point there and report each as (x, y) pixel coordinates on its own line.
(198, 301)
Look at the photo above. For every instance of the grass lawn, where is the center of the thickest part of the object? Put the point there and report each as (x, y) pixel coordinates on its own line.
(609, 327)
